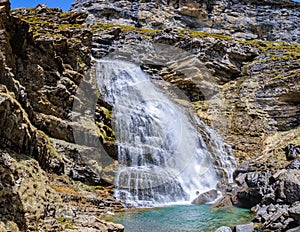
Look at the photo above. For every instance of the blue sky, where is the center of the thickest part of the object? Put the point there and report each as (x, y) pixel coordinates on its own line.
(63, 4)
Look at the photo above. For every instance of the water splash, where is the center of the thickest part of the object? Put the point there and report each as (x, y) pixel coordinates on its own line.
(162, 157)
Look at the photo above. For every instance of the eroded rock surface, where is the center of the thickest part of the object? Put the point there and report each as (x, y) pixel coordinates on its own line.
(248, 19)
(43, 61)
(247, 90)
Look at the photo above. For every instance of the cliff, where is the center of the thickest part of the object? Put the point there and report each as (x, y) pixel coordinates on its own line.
(236, 64)
(39, 76)
(248, 19)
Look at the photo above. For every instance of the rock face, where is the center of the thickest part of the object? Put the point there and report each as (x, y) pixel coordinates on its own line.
(248, 19)
(247, 90)
(272, 196)
(43, 61)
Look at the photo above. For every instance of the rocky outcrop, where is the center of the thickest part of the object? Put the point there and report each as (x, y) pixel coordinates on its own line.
(246, 90)
(44, 56)
(32, 199)
(273, 196)
(248, 19)
(237, 87)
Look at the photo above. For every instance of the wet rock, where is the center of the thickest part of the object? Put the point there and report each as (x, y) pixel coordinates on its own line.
(291, 151)
(255, 190)
(249, 227)
(224, 229)
(206, 197)
(224, 201)
(242, 168)
(294, 165)
(274, 217)
(295, 229)
(294, 211)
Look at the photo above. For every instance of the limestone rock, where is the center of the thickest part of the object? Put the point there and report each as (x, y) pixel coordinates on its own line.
(296, 229)
(206, 197)
(294, 211)
(271, 20)
(292, 151)
(245, 227)
(224, 229)
(4, 6)
(44, 55)
(294, 165)
(288, 186)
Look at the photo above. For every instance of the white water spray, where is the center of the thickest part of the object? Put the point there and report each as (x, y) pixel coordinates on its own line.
(163, 159)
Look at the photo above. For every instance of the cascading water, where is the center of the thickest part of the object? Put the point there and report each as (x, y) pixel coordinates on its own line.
(162, 157)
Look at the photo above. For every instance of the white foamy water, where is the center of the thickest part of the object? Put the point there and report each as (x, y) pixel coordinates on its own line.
(163, 159)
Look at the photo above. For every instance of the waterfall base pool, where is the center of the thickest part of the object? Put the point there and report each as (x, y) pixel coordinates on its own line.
(181, 218)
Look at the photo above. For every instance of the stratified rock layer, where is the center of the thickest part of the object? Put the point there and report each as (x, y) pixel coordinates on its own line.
(246, 90)
(248, 19)
(40, 73)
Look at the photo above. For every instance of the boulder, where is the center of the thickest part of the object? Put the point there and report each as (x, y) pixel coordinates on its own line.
(256, 189)
(296, 229)
(249, 227)
(291, 151)
(224, 229)
(206, 197)
(288, 186)
(241, 169)
(294, 211)
(224, 201)
(294, 165)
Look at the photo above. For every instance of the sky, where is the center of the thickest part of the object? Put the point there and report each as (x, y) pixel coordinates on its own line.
(63, 4)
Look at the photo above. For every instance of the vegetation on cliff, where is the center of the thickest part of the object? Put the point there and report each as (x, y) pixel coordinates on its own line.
(47, 184)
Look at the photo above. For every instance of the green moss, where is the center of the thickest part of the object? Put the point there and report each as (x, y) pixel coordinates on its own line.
(66, 14)
(290, 51)
(69, 26)
(124, 28)
(12, 226)
(80, 64)
(49, 145)
(61, 219)
(289, 74)
(98, 187)
(107, 133)
(66, 223)
(106, 111)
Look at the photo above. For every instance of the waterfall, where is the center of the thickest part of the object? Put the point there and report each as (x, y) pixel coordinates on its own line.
(162, 157)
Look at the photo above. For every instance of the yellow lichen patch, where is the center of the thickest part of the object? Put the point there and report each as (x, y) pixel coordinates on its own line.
(66, 14)
(69, 26)
(65, 190)
(272, 47)
(67, 223)
(49, 145)
(124, 28)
